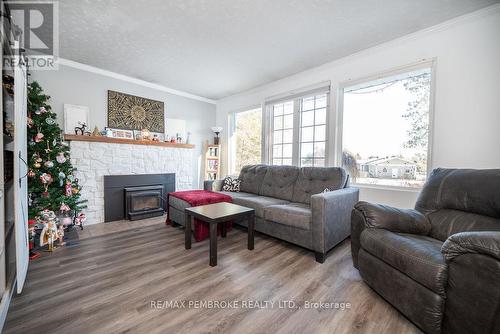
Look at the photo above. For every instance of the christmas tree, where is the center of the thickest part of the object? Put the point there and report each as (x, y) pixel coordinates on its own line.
(51, 183)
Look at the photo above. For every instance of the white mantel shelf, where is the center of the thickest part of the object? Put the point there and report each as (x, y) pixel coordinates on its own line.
(102, 139)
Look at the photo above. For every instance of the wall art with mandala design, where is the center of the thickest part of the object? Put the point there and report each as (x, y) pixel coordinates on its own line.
(135, 113)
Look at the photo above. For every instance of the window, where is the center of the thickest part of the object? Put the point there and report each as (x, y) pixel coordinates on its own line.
(282, 133)
(385, 132)
(299, 130)
(313, 131)
(245, 142)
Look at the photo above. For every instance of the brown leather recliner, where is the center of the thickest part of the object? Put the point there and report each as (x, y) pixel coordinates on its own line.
(439, 264)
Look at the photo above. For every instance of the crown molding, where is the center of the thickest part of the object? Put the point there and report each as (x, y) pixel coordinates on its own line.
(118, 76)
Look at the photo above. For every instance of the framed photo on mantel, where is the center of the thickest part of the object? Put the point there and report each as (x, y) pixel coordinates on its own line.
(131, 112)
(75, 116)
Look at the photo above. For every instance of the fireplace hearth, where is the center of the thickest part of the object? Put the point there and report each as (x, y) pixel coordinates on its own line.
(136, 196)
(143, 202)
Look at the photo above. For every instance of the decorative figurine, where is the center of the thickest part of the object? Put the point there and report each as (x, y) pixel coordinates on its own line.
(82, 128)
(50, 231)
(96, 132)
(80, 219)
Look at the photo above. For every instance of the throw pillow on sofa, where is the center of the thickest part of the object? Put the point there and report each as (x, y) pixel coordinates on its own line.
(230, 184)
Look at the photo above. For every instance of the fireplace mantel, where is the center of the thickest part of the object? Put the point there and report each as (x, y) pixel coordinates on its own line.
(102, 139)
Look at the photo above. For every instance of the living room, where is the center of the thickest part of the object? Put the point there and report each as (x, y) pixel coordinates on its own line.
(255, 167)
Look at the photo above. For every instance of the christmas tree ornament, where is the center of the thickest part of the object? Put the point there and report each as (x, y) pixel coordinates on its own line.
(67, 189)
(54, 142)
(48, 150)
(50, 121)
(75, 191)
(60, 158)
(64, 207)
(31, 173)
(62, 176)
(39, 159)
(49, 164)
(46, 178)
(38, 137)
(29, 120)
(37, 165)
(32, 143)
(42, 110)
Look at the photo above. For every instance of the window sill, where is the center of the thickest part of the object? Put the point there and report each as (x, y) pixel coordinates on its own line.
(388, 188)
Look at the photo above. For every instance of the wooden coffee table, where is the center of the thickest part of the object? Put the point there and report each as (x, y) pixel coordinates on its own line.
(214, 214)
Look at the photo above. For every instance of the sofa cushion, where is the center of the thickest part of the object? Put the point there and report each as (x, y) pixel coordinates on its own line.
(294, 214)
(237, 194)
(279, 182)
(258, 203)
(416, 256)
(251, 177)
(447, 222)
(314, 180)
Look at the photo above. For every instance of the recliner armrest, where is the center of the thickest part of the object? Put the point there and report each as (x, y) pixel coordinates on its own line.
(483, 242)
(393, 219)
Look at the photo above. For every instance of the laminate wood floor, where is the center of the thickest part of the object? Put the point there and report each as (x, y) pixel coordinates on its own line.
(106, 285)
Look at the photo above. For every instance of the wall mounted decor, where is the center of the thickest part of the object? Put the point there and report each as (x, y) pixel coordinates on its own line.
(135, 113)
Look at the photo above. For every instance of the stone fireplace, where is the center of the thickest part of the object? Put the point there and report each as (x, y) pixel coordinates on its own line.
(94, 161)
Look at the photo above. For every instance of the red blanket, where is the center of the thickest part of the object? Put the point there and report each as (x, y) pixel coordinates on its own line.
(201, 197)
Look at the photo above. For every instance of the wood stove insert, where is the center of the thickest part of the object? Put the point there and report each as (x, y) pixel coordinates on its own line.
(143, 202)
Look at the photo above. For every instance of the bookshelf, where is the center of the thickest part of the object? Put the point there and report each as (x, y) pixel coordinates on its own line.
(212, 161)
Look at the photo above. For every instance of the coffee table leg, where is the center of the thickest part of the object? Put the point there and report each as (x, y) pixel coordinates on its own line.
(187, 231)
(213, 244)
(251, 227)
(224, 230)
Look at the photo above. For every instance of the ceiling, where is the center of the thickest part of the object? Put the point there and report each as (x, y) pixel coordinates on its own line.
(216, 48)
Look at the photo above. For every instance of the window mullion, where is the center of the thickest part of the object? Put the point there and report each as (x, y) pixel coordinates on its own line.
(296, 133)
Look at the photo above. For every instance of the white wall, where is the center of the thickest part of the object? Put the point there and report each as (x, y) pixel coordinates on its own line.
(467, 100)
(76, 86)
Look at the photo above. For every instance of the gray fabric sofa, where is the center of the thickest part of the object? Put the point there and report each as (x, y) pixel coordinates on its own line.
(290, 204)
(439, 264)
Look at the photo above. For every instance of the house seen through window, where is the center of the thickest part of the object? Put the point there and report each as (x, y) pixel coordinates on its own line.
(385, 130)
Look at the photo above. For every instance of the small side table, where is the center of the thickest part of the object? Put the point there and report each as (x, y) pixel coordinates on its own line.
(214, 214)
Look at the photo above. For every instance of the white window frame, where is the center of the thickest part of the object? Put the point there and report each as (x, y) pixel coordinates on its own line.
(296, 97)
(425, 63)
(231, 126)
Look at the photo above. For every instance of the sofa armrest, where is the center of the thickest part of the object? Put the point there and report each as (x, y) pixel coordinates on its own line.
(393, 219)
(213, 185)
(331, 217)
(484, 242)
